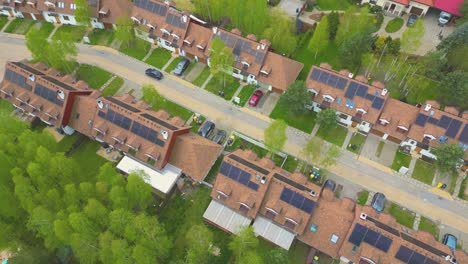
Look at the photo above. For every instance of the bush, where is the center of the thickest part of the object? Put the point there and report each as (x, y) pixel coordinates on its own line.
(375, 9)
(378, 20)
(333, 23)
(394, 25)
(273, 2)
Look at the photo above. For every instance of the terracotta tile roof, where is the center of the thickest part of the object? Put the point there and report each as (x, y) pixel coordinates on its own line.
(29, 7)
(282, 71)
(117, 8)
(195, 155)
(396, 116)
(197, 36)
(451, 6)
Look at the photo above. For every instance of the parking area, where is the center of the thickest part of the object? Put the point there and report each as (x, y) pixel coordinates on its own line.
(432, 31)
(379, 151)
(266, 104)
(345, 188)
(290, 6)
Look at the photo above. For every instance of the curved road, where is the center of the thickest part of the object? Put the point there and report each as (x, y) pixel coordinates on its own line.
(425, 201)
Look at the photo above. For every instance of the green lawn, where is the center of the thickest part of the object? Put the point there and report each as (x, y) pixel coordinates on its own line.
(394, 25)
(424, 172)
(159, 58)
(138, 50)
(214, 86)
(20, 26)
(245, 94)
(102, 37)
(76, 32)
(333, 4)
(3, 21)
(171, 107)
(358, 141)
(401, 159)
(429, 226)
(402, 216)
(362, 197)
(242, 144)
(304, 121)
(94, 76)
(113, 87)
(335, 135)
(195, 126)
(46, 28)
(298, 253)
(200, 80)
(307, 57)
(291, 164)
(214, 170)
(173, 64)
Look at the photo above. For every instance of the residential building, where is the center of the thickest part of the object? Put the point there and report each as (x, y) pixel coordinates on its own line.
(401, 7)
(111, 10)
(283, 207)
(154, 142)
(451, 7)
(195, 42)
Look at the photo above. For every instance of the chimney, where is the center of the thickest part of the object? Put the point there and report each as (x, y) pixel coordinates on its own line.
(427, 107)
(263, 180)
(263, 46)
(363, 216)
(313, 193)
(215, 30)
(384, 92)
(350, 75)
(184, 18)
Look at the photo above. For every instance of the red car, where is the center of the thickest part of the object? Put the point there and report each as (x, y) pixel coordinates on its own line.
(255, 98)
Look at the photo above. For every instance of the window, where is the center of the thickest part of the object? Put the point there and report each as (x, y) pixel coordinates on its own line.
(66, 18)
(77, 116)
(72, 6)
(61, 5)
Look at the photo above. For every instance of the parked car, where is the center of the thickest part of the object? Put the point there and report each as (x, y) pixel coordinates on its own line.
(181, 67)
(255, 98)
(330, 184)
(451, 241)
(206, 129)
(378, 202)
(153, 73)
(220, 136)
(444, 18)
(411, 20)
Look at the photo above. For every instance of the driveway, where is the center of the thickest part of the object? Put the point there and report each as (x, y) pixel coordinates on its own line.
(290, 6)
(370, 149)
(266, 104)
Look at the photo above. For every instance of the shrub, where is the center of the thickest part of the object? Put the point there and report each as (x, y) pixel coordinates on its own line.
(333, 23)
(378, 20)
(375, 9)
(273, 2)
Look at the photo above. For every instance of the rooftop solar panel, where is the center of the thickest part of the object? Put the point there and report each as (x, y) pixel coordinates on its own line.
(315, 74)
(464, 135)
(370, 97)
(297, 200)
(385, 227)
(234, 173)
(432, 120)
(159, 121)
(431, 261)
(444, 121)
(351, 91)
(253, 186)
(404, 254)
(377, 103)
(361, 90)
(308, 205)
(225, 167)
(423, 245)
(324, 77)
(238, 175)
(249, 164)
(291, 182)
(175, 20)
(29, 69)
(453, 128)
(421, 120)
(371, 237)
(59, 83)
(122, 104)
(417, 258)
(332, 80)
(286, 195)
(358, 234)
(341, 83)
(383, 243)
(244, 177)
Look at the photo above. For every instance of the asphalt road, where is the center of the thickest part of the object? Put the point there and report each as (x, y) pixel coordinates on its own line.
(419, 199)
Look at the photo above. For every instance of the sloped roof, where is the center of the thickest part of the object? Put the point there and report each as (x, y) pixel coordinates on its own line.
(449, 6)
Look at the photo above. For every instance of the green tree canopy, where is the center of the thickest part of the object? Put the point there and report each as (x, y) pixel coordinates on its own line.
(312, 150)
(221, 60)
(281, 32)
(448, 156)
(244, 242)
(331, 157)
(37, 44)
(275, 136)
(82, 12)
(199, 240)
(454, 89)
(327, 118)
(296, 97)
(354, 47)
(124, 31)
(320, 39)
(333, 24)
(277, 256)
(458, 37)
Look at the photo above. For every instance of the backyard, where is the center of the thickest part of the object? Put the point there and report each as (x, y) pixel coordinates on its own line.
(214, 170)
(138, 50)
(215, 85)
(335, 135)
(402, 215)
(401, 160)
(20, 26)
(200, 80)
(333, 4)
(158, 58)
(245, 94)
(76, 32)
(356, 142)
(94, 76)
(101, 37)
(423, 172)
(304, 121)
(113, 87)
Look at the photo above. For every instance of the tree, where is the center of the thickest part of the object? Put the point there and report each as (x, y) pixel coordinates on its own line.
(37, 44)
(124, 31)
(327, 118)
(333, 24)
(139, 192)
(277, 256)
(354, 47)
(210, 9)
(275, 136)
(312, 150)
(296, 97)
(411, 38)
(354, 21)
(250, 257)
(321, 37)
(448, 157)
(458, 37)
(61, 53)
(463, 9)
(82, 12)
(221, 60)
(199, 241)
(243, 242)
(280, 32)
(332, 155)
(453, 89)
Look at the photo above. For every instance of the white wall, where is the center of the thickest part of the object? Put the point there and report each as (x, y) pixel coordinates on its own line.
(162, 44)
(71, 19)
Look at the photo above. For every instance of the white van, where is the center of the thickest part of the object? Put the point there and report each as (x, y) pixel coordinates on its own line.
(444, 18)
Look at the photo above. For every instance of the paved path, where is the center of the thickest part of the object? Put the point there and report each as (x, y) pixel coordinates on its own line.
(56, 26)
(428, 202)
(349, 135)
(195, 72)
(7, 23)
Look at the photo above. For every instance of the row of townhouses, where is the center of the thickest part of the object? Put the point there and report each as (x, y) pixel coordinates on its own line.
(163, 25)
(153, 141)
(370, 109)
(416, 7)
(283, 207)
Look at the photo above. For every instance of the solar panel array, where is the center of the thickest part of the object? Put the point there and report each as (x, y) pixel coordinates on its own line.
(451, 126)
(361, 233)
(152, 7)
(159, 121)
(174, 20)
(116, 118)
(464, 135)
(291, 182)
(122, 104)
(59, 83)
(297, 200)
(238, 175)
(329, 79)
(29, 69)
(383, 226)
(249, 164)
(423, 245)
(242, 45)
(146, 133)
(17, 79)
(48, 94)
(357, 89)
(409, 256)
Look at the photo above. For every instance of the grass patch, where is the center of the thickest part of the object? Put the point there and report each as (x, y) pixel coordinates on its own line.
(394, 25)
(76, 32)
(304, 121)
(214, 86)
(401, 160)
(86, 154)
(423, 172)
(173, 64)
(245, 94)
(358, 141)
(200, 80)
(20, 26)
(195, 126)
(298, 252)
(362, 197)
(46, 28)
(158, 58)
(3, 21)
(158, 102)
(402, 216)
(214, 170)
(102, 37)
(380, 147)
(138, 50)
(94, 76)
(333, 4)
(113, 87)
(335, 135)
(429, 226)
(291, 164)
(242, 144)
(461, 193)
